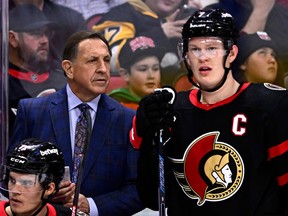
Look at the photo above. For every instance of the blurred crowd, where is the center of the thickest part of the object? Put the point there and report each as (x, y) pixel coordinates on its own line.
(39, 29)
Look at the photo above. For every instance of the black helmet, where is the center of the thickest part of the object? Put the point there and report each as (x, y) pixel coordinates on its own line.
(210, 23)
(34, 156)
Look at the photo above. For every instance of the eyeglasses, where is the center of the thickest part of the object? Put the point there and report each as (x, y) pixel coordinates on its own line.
(39, 34)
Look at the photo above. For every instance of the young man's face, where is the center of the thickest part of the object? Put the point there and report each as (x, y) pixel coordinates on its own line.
(24, 193)
(205, 56)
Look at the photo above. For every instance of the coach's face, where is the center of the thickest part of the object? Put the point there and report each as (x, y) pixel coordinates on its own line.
(89, 74)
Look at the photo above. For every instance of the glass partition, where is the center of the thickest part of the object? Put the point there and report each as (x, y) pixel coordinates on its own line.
(4, 80)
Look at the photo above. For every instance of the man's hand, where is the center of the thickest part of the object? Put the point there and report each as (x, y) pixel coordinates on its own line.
(173, 29)
(83, 204)
(65, 193)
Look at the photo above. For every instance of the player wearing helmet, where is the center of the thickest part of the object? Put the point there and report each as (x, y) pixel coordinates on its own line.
(32, 175)
(225, 142)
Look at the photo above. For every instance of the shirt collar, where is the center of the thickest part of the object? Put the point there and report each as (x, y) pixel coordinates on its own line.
(74, 101)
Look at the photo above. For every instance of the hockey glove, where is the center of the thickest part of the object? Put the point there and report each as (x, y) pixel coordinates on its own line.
(155, 112)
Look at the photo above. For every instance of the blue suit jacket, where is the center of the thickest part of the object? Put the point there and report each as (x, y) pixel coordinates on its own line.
(111, 162)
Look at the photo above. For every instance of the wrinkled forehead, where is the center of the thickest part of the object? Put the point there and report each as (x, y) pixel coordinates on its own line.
(205, 40)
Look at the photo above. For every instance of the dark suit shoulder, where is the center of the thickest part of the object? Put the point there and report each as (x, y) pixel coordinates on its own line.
(114, 104)
(55, 97)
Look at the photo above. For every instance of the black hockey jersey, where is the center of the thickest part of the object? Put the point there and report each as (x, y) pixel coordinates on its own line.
(229, 158)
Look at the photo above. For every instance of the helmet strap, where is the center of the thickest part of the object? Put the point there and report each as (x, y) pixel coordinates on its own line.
(45, 201)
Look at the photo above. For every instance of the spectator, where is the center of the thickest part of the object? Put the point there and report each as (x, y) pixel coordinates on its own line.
(257, 61)
(255, 15)
(141, 71)
(32, 175)
(67, 21)
(89, 8)
(31, 72)
(224, 144)
(145, 18)
(109, 173)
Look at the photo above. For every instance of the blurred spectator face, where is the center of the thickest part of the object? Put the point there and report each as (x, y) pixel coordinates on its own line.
(261, 66)
(144, 76)
(33, 46)
(163, 8)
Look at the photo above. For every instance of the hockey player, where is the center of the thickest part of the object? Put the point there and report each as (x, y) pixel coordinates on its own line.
(32, 174)
(227, 151)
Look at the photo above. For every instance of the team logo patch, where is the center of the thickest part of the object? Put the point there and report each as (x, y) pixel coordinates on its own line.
(210, 170)
(273, 86)
(34, 77)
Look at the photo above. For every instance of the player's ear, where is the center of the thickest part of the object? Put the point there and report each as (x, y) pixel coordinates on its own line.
(50, 188)
(233, 53)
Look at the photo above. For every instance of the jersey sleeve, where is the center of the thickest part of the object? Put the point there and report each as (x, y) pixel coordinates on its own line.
(134, 138)
(278, 145)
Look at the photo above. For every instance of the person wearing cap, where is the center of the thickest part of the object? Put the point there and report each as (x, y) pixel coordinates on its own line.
(139, 60)
(31, 175)
(257, 59)
(32, 73)
(255, 15)
(66, 22)
(155, 19)
(223, 146)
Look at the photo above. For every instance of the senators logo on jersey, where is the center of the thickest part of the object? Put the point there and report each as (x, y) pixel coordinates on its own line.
(210, 170)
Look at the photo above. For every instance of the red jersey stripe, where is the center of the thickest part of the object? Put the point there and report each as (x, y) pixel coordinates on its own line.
(278, 150)
(282, 180)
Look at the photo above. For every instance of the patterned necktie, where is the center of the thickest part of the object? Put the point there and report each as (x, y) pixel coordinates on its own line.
(83, 130)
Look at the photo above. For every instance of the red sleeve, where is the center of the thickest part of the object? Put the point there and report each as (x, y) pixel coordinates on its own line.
(134, 138)
(51, 210)
(2, 207)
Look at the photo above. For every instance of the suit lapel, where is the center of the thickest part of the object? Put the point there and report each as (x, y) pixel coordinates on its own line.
(100, 130)
(60, 121)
